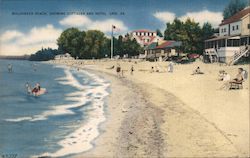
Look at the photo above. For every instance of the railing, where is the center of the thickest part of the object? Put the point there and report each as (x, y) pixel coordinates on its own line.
(165, 58)
(238, 55)
(212, 59)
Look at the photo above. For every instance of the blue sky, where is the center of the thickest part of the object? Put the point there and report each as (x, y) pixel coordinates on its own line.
(19, 33)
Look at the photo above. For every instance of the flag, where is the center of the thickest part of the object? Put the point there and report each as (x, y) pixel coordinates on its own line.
(115, 28)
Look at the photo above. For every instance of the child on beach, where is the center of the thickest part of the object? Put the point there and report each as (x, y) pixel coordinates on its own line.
(152, 69)
(197, 71)
(221, 75)
(131, 70)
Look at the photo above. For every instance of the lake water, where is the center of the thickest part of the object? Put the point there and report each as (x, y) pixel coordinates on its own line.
(60, 123)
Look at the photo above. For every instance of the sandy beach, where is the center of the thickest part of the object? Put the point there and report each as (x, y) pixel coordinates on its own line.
(177, 114)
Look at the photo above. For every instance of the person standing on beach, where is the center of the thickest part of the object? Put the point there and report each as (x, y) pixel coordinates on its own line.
(118, 70)
(170, 67)
(132, 70)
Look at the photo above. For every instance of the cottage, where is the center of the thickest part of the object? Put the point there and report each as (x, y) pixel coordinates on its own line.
(65, 56)
(233, 40)
(162, 50)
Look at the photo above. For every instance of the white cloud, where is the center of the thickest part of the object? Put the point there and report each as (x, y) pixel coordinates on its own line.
(82, 21)
(105, 25)
(28, 43)
(10, 35)
(202, 17)
(165, 16)
(75, 21)
(40, 34)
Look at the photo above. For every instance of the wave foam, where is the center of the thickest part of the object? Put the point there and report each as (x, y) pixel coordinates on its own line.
(80, 140)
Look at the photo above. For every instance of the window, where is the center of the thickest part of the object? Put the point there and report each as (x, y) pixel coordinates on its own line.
(221, 43)
(243, 41)
(225, 30)
(233, 42)
(237, 27)
(233, 28)
(248, 26)
(221, 30)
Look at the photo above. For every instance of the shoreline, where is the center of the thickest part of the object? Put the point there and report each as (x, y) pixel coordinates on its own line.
(123, 110)
(201, 137)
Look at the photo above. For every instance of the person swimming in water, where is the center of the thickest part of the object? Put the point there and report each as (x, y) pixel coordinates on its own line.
(28, 87)
(10, 68)
(36, 89)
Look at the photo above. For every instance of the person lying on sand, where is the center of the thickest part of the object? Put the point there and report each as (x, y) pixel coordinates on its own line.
(197, 71)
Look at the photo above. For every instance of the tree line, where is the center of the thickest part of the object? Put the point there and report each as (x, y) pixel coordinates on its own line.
(94, 44)
(44, 54)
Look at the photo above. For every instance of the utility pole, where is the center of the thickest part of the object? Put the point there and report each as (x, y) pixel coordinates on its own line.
(112, 42)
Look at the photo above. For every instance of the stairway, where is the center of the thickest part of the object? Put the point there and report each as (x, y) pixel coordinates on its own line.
(238, 55)
(165, 58)
(214, 52)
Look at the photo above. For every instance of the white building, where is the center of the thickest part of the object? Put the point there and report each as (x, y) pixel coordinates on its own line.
(233, 40)
(65, 56)
(145, 37)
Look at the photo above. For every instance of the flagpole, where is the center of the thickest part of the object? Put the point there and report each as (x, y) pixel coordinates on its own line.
(112, 44)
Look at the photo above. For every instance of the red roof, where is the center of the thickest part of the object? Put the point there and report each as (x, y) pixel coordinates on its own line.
(165, 44)
(143, 30)
(236, 17)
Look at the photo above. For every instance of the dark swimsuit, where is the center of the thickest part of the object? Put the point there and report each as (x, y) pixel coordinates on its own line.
(35, 90)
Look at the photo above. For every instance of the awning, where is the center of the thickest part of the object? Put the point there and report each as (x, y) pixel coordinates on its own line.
(235, 37)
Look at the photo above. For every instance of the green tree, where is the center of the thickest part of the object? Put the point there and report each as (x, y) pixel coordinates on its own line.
(105, 52)
(233, 7)
(44, 55)
(158, 32)
(174, 30)
(131, 47)
(118, 46)
(189, 33)
(206, 32)
(71, 41)
(192, 37)
(94, 43)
